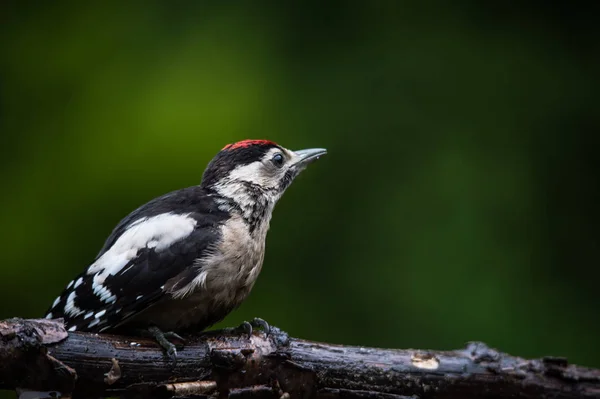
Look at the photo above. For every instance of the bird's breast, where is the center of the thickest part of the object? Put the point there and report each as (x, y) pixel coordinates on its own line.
(224, 277)
(237, 259)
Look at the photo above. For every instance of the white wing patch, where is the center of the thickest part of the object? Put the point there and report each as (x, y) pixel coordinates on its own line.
(158, 232)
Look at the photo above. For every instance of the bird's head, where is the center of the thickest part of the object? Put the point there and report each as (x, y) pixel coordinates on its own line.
(256, 169)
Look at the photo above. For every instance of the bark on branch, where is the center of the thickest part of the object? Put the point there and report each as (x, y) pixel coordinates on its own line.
(40, 355)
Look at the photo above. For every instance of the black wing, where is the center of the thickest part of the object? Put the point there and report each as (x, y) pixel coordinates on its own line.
(90, 305)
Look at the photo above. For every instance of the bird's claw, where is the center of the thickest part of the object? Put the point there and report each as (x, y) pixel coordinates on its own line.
(260, 323)
(174, 335)
(163, 340)
(247, 327)
(172, 353)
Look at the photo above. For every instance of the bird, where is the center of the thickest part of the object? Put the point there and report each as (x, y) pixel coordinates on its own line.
(184, 260)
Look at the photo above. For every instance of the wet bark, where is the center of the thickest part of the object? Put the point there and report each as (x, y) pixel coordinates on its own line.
(40, 355)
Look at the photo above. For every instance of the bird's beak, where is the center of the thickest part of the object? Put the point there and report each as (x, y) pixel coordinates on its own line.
(304, 157)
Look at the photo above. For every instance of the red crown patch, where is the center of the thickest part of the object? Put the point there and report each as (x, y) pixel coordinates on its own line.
(247, 143)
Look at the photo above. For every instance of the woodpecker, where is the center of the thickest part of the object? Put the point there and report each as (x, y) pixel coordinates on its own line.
(183, 261)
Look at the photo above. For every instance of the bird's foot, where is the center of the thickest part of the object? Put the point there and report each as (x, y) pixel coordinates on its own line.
(163, 340)
(247, 327)
(174, 336)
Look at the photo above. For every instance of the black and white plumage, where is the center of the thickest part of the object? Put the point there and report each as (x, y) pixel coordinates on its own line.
(186, 259)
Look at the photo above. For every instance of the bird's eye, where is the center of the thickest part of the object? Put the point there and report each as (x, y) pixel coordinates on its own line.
(277, 159)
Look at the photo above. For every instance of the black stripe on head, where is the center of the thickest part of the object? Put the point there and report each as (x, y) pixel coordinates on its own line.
(233, 155)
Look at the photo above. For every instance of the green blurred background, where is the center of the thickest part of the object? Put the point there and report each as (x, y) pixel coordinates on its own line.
(459, 199)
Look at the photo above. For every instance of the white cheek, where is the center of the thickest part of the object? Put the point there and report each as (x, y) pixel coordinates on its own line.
(252, 173)
(262, 172)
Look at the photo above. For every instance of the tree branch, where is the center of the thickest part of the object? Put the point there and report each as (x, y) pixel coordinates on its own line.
(40, 355)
